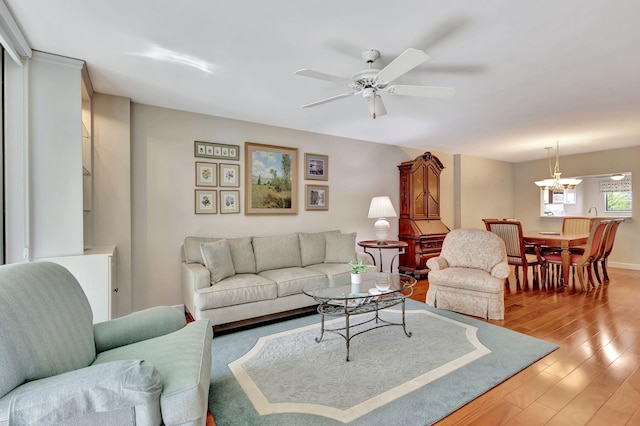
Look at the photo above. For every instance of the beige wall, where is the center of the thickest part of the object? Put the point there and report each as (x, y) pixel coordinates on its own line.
(163, 186)
(111, 212)
(484, 188)
(162, 191)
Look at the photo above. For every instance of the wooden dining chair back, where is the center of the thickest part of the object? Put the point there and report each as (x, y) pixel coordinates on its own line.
(510, 231)
(580, 261)
(606, 247)
(577, 225)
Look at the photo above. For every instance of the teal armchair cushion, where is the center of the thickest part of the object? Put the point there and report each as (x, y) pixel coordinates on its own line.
(183, 359)
(138, 326)
(101, 388)
(46, 326)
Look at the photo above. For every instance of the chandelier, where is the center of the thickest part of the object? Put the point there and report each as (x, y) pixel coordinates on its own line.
(556, 183)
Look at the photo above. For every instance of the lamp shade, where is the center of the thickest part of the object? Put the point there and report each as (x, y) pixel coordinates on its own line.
(381, 207)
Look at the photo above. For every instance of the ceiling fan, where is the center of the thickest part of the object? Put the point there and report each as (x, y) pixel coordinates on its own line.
(370, 82)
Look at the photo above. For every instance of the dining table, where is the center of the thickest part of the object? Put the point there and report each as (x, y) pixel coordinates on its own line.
(560, 240)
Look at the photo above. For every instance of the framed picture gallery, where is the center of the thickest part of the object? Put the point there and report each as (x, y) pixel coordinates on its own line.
(216, 150)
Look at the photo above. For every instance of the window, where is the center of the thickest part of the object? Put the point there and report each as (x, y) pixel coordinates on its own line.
(617, 201)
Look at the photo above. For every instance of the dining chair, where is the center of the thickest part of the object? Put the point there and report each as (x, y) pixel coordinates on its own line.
(510, 231)
(607, 246)
(577, 225)
(580, 261)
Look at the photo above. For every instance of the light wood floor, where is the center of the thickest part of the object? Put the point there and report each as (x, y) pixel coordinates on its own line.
(593, 378)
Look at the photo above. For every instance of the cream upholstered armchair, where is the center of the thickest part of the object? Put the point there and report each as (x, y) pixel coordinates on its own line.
(469, 275)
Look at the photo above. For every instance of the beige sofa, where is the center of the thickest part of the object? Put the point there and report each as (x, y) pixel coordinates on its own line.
(227, 280)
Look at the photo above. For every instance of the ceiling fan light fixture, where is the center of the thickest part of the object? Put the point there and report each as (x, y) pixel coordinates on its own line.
(618, 176)
(371, 82)
(376, 106)
(368, 93)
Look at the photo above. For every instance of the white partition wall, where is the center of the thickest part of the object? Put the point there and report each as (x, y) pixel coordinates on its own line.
(55, 156)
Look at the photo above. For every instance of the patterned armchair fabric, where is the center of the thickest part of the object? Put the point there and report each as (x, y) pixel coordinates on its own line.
(469, 275)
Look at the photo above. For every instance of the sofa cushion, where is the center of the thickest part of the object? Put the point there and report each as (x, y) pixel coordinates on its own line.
(236, 290)
(217, 259)
(276, 252)
(313, 247)
(244, 261)
(467, 278)
(337, 273)
(340, 248)
(473, 248)
(192, 253)
(183, 359)
(293, 280)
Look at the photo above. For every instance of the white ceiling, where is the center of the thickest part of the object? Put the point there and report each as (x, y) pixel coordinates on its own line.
(526, 73)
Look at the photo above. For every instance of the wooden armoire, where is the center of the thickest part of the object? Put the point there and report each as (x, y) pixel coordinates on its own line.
(420, 225)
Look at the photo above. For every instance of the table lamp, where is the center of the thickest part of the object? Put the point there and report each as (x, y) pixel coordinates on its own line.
(381, 208)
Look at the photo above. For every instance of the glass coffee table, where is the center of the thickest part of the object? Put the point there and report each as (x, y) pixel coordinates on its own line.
(378, 291)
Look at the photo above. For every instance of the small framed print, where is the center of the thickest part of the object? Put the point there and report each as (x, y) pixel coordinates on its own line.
(316, 167)
(317, 197)
(229, 202)
(201, 149)
(216, 150)
(206, 174)
(229, 175)
(206, 201)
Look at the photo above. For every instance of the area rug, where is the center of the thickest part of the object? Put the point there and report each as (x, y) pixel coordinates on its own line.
(279, 375)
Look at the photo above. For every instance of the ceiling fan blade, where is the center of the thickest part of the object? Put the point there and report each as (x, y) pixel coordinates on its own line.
(322, 76)
(376, 107)
(424, 91)
(408, 60)
(331, 99)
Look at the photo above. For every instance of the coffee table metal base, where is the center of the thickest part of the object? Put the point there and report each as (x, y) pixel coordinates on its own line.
(346, 311)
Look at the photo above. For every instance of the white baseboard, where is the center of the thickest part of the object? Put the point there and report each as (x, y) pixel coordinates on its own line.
(620, 265)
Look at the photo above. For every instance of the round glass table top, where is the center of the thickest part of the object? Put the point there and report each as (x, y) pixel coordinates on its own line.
(373, 284)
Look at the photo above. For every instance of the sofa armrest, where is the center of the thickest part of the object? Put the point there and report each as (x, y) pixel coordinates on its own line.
(138, 326)
(437, 263)
(196, 275)
(501, 270)
(99, 388)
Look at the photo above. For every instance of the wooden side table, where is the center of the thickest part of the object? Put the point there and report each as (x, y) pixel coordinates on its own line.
(373, 244)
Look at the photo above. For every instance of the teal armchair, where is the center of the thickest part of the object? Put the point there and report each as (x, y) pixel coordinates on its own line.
(57, 367)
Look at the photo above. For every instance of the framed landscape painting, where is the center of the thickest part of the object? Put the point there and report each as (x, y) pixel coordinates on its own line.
(271, 176)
